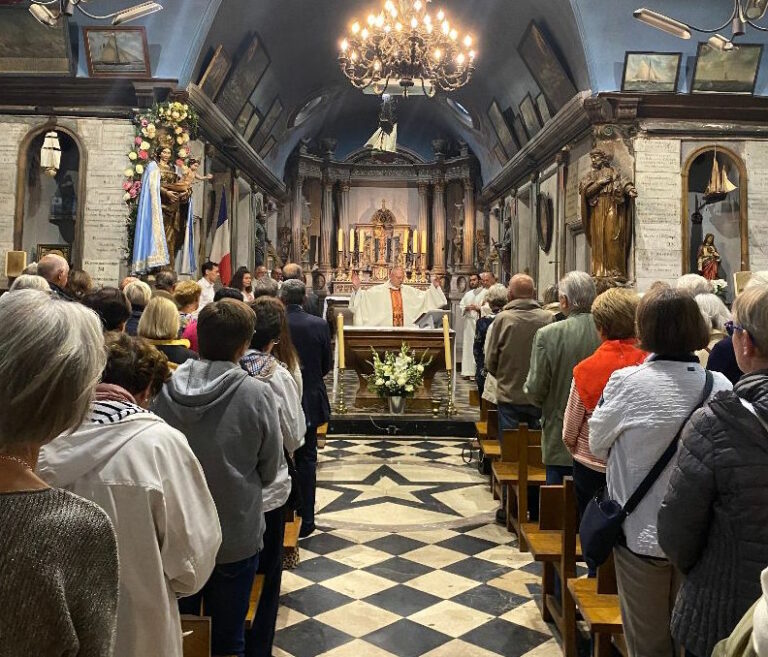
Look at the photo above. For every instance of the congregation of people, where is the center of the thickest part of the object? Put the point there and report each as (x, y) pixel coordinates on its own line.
(153, 441)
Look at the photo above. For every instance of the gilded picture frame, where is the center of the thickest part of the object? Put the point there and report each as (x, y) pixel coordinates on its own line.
(63, 250)
(215, 73)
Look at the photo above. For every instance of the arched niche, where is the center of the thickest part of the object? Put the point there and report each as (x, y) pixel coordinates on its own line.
(50, 210)
(726, 219)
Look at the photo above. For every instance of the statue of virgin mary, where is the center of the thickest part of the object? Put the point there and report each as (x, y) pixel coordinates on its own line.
(150, 249)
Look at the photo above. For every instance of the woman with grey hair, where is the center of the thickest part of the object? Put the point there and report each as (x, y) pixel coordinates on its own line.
(58, 554)
(693, 284)
(496, 298)
(30, 282)
(716, 315)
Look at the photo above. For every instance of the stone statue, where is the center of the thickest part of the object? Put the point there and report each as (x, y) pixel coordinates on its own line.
(504, 248)
(284, 239)
(175, 194)
(457, 237)
(708, 258)
(481, 248)
(260, 239)
(606, 210)
(304, 245)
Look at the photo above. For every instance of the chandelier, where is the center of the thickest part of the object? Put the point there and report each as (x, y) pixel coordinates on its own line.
(406, 46)
(48, 12)
(742, 14)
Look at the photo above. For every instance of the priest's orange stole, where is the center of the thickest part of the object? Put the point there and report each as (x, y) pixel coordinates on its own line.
(397, 307)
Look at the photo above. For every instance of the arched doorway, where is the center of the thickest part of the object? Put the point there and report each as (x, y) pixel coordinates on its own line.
(49, 209)
(724, 216)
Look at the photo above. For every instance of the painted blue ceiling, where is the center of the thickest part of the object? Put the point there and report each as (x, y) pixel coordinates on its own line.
(591, 37)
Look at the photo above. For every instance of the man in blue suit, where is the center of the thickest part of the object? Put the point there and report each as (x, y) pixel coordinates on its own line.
(312, 340)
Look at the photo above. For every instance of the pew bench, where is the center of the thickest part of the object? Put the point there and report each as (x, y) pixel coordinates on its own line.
(322, 435)
(196, 633)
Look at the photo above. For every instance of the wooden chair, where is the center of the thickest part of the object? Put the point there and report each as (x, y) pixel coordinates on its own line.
(519, 467)
(196, 632)
(489, 442)
(322, 433)
(554, 543)
(474, 398)
(292, 528)
(598, 601)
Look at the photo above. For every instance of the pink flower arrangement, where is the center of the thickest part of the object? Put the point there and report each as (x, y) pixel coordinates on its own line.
(138, 141)
(144, 123)
(143, 155)
(126, 185)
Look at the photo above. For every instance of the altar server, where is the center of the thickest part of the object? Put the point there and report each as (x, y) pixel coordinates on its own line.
(470, 305)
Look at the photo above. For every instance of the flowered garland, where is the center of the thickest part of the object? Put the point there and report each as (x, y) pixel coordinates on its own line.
(171, 124)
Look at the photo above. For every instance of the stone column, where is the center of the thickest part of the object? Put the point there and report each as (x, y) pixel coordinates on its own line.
(343, 223)
(468, 251)
(436, 246)
(296, 209)
(326, 226)
(423, 209)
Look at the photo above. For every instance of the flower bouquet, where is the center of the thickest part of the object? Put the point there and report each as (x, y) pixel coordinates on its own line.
(719, 286)
(397, 375)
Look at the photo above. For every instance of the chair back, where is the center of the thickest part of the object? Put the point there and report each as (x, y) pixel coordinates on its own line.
(510, 446)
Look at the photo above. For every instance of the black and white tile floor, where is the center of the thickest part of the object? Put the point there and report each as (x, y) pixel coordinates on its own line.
(408, 562)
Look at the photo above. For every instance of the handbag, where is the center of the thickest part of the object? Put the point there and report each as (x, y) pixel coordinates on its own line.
(602, 523)
(295, 501)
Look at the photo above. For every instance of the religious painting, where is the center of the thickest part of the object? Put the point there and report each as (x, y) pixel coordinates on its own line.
(545, 222)
(270, 119)
(544, 65)
(29, 48)
(253, 123)
(728, 71)
(244, 118)
(63, 250)
(117, 52)
(266, 149)
(651, 72)
(243, 79)
(501, 156)
(215, 73)
(530, 118)
(520, 132)
(502, 130)
(543, 107)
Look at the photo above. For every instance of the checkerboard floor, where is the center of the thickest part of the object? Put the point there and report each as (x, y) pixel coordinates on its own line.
(408, 562)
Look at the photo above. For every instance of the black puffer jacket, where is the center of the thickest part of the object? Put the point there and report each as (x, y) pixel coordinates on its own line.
(713, 523)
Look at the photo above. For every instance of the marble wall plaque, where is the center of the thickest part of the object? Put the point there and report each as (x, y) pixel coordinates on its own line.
(103, 272)
(756, 158)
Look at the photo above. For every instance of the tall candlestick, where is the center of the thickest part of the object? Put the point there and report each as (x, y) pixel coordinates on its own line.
(447, 343)
(415, 242)
(405, 241)
(351, 240)
(341, 240)
(340, 339)
(424, 242)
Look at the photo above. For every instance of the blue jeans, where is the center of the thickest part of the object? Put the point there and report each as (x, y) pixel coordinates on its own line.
(556, 474)
(225, 598)
(305, 459)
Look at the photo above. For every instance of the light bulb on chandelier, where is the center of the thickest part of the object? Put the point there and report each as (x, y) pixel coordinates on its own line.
(418, 60)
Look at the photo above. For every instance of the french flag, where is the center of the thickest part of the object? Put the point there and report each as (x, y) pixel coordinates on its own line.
(220, 251)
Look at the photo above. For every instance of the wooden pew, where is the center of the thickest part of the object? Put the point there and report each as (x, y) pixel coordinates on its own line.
(196, 631)
(253, 603)
(322, 434)
(598, 601)
(487, 434)
(292, 528)
(474, 398)
(519, 467)
(554, 543)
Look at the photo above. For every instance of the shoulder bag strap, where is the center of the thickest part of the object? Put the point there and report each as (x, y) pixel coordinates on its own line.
(666, 457)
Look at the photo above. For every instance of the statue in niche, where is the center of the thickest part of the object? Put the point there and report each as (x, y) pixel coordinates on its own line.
(708, 258)
(606, 209)
(284, 238)
(481, 248)
(504, 248)
(304, 246)
(457, 237)
(260, 239)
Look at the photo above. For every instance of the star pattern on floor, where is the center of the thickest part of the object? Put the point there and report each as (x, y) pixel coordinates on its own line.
(390, 587)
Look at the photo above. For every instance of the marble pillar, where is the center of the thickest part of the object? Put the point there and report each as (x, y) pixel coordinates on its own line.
(423, 208)
(296, 211)
(437, 245)
(326, 226)
(468, 251)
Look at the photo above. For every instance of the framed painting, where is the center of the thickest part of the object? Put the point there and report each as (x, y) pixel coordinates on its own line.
(267, 125)
(63, 250)
(729, 71)
(215, 73)
(245, 75)
(520, 133)
(651, 72)
(545, 222)
(501, 128)
(501, 156)
(544, 65)
(29, 48)
(266, 149)
(253, 123)
(531, 119)
(117, 52)
(244, 118)
(543, 107)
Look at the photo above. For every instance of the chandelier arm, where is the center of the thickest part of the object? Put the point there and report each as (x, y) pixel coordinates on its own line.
(45, 2)
(90, 15)
(757, 27)
(736, 7)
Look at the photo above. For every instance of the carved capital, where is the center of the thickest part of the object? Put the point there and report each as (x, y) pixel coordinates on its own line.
(423, 188)
(439, 186)
(598, 109)
(564, 156)
(468, 185)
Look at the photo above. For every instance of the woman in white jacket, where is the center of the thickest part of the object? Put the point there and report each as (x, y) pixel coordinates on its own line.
(144, 475)
(262, 365)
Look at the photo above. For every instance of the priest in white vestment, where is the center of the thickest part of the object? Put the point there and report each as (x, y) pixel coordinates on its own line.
(470, 306)
(392, 303)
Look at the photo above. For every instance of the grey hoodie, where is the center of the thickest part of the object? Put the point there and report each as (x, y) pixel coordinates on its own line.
(232, 426)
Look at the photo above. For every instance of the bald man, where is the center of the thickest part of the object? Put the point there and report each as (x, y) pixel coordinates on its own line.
(55, 270)
(393, 303)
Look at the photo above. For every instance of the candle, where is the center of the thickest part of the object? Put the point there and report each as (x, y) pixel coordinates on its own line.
(423, 242)
(341, 241)
(340, 339)
(416, 242)
(405, 241)
(447, 342)
(351, 240)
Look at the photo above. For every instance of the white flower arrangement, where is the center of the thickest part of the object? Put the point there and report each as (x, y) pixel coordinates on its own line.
(719, 286)
(397, 374)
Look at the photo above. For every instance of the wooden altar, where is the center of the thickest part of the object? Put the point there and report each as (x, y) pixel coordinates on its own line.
(359, 341)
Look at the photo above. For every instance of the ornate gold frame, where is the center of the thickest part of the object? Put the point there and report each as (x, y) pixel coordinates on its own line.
(743, 203)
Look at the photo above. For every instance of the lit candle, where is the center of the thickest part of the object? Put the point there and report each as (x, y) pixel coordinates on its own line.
(405, 241)
(340, 339)
(341, 241)
(447, 343)
(424, 242)
(351, 240)
(416, 241)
